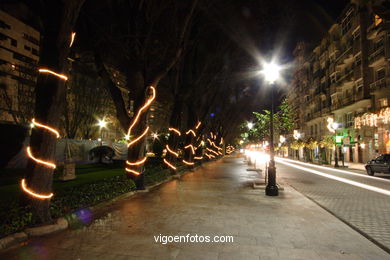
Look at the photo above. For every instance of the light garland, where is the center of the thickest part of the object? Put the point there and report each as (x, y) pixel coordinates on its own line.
(329, 125)
(73, 35)
(188, 163)
(48, 164)
(372, 119)
(132, 171)
(197, 126)
(190, 146)
(45, 127)
(210, 150)
(175, 130)
(171, 151)
(139, 137)
(36, 195)
(135, 120)
(198, 157)
(192, 132)
(139, 162)
(62, 76)
(169, 164)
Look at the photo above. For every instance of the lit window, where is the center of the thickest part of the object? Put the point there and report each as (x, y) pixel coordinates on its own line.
(378, 20)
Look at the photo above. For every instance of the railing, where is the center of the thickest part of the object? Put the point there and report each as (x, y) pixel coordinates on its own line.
(376, 55)
(381, 83)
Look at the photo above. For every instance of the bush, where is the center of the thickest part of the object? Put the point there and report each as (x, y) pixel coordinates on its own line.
(15, 217)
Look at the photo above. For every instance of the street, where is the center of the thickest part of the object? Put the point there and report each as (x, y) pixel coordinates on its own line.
(360, 200)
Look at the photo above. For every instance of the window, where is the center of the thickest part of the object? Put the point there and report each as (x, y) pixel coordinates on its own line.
(349, 119)
(14, 42)
(315, 129)
(333, 78)
(382, 102)
(311, 130)
(358, 60)
(4, 25)
(27, 48)
(380, 74)
(346, 24)
(35, 52)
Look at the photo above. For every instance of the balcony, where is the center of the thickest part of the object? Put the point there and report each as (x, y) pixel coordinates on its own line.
(377, 56)
(348, 100)
(379, 84)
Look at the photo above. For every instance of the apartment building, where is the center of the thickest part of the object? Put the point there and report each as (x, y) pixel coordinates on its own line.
(348, 82)
(19, 55)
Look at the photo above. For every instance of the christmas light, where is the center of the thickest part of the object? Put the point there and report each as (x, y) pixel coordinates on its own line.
(51, 165)
(45, 127)
(73, 35)
(135, 120)
(144, 107)
(198, 157)
(210, 150)
(170, 165)
(171, 151)
(139, 137)
(197, 126)
(372, 119)
(137, 162)
(132, 171)
(296, 135)
(192, 132)
(36, 195)
(188, 163)
(190, 146)
(62, 76)
(175, 130)
(208, 156)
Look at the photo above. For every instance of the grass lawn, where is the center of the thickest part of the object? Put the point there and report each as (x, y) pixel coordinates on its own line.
(85, 173)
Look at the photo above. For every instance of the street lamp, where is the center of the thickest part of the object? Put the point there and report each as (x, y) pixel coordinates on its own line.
(332, 127)
(271, 72)
(102, 124)
(250, 125)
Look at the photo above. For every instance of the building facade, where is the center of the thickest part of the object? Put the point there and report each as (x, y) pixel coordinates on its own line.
(19, 55)
(345, 80)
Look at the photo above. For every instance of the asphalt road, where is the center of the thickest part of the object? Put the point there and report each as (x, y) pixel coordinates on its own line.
(361, 201)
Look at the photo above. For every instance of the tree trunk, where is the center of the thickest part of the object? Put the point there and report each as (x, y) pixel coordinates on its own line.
(50, 98)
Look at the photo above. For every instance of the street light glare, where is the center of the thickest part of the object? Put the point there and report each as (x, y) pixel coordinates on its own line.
(102, 123)
(271, 72)
(250, 125)
(335, 125)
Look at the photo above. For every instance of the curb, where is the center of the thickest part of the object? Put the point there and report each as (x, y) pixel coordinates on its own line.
(63, 224)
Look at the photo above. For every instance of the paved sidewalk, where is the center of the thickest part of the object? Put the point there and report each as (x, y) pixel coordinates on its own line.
(213, 200)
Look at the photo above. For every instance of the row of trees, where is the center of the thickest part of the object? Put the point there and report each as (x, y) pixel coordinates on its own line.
(170, 45)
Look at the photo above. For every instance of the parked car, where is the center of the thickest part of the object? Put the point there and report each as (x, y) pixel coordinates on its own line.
(380, 164)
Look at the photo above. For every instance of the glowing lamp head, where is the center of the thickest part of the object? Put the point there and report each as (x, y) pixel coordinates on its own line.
(335, 125)
(154, 135)
(250, 125)
(102, 123)
(127, 137)
(271, 72)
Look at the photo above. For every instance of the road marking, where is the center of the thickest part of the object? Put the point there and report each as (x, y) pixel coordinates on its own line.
(331, 169)
(354, 183)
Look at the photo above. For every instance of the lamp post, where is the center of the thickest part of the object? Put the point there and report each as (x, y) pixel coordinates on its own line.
(102, 124)
(334, 127)
(271, 73)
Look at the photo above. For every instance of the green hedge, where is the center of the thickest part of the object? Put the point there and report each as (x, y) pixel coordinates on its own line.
(14, 217)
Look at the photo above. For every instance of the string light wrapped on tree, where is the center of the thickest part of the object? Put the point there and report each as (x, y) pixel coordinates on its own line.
(134, 167)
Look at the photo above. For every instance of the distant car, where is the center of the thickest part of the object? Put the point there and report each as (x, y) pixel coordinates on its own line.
(380, 164)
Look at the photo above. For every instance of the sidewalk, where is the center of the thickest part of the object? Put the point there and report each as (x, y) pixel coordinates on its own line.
(216, 199)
